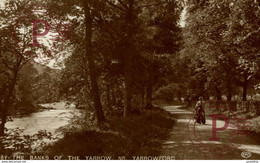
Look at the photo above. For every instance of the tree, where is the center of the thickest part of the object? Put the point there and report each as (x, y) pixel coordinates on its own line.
(117, 39)
(211, 35)
(15, 52)
(144, 28)
(85, 10)
(244, 33)
(91, 64)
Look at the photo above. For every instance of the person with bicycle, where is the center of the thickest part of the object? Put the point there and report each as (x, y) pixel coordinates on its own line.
(199, 108)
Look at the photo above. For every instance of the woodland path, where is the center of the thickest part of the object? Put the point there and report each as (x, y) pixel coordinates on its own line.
(189, 140)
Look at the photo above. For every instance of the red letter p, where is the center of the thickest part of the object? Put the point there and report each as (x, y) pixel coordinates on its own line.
(36, 34)
(214, 126)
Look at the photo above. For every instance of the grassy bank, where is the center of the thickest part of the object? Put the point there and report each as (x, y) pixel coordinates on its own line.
(138, 135)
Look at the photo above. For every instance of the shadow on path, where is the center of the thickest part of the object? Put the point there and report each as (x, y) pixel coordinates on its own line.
(191, 141)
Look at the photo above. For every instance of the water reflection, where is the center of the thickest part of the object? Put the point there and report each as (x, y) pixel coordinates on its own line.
(49, 120)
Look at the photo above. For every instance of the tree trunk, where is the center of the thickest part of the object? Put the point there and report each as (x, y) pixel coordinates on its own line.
(229, 96)
(245, 86)
(7, 101)
(114, 102)
(229, 93)
(244, 91)
(3, 118)
(108, 96)
(91, 66)
(143, 95)
(149, 95)
(129, 44)
(128, 86)
(218, 94)
(229, 79)
(149, 85)
(179, 94)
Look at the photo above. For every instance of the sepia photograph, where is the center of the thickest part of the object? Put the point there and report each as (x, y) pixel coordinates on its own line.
(129, 80)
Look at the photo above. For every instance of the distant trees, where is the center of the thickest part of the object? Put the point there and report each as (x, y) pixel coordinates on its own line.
(45, 87)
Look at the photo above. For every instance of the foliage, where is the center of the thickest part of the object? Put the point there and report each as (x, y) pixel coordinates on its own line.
(167, 93)
(129, 136)
(119, 32)
(46, 86)
(217, 48)
(16, 55)
(255, 125)
(13, 142)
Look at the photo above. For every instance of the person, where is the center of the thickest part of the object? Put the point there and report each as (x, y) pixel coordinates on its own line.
(199, 108)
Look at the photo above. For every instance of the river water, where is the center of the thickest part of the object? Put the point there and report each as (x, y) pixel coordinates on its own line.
(49, 120)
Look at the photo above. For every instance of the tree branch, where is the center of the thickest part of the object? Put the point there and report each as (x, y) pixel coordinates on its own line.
(248, 35)
(152, 5)
(115, 6)
(123, 4)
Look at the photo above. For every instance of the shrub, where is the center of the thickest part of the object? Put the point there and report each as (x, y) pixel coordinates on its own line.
(256, 125)
(167, 93)
(12, 142)
(134, 135)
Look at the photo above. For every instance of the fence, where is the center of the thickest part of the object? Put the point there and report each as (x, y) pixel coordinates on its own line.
(252, 107)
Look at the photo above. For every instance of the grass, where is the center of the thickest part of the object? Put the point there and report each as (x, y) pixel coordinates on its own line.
(132, 136)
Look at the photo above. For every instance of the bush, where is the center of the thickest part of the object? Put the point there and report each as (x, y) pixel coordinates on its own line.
(256, 125)
(134, 135)
(86, 143)
(167, 93)
(13, 143)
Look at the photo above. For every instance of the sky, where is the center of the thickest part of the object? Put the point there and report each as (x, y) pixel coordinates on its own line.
(2, 3)
(183, 17)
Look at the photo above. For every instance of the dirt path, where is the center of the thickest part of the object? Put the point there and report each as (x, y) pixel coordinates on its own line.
(188, 140)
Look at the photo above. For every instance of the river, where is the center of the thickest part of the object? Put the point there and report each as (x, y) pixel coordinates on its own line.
(49, 119)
